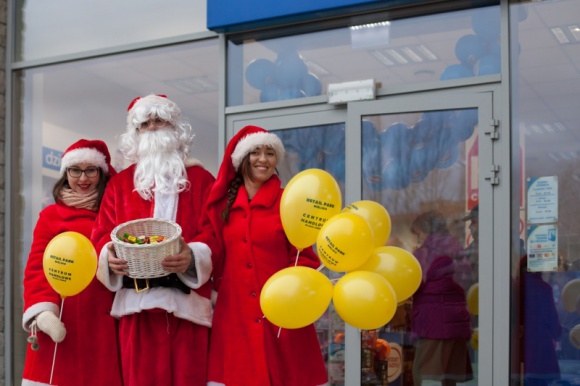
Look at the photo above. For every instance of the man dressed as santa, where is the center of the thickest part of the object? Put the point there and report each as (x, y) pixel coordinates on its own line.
(163, 329)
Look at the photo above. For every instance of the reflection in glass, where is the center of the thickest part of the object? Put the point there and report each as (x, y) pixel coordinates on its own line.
(446, 46)
(418, 166)
(48, 29)
(545, 313)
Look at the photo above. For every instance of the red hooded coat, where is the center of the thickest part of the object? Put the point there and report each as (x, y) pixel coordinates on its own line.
(89, 353)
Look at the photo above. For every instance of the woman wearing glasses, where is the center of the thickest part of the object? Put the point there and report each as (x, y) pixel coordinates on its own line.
(87, 350)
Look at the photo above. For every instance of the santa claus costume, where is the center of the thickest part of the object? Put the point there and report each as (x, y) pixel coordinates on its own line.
(89, 354)
(164, 331)
(245, 348)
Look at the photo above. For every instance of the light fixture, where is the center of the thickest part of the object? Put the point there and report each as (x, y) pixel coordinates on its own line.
(340, 93)
(560, 35)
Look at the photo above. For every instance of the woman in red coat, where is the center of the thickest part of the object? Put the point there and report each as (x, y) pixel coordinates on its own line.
(244, 208)
(87, 350)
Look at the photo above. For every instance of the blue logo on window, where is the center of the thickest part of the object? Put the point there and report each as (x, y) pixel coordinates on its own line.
(51, 158)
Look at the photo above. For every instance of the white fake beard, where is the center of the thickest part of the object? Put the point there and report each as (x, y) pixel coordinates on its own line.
(160, 167)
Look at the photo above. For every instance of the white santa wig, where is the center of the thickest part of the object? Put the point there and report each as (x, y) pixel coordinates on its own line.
(140, 110)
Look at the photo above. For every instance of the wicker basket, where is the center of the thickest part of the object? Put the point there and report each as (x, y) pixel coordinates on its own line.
(144, 260)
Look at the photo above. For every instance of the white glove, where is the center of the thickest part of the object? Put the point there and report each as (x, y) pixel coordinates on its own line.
(49, 323)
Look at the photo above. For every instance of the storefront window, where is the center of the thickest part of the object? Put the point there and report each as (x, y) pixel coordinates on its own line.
(47, 29)
(392, 52)
(545, 263)
(60, 104)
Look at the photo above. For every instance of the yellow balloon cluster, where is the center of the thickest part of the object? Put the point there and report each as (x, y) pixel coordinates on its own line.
(69, 263)
(352, 240)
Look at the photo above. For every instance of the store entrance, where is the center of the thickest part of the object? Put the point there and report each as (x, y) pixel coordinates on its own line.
(421, 156)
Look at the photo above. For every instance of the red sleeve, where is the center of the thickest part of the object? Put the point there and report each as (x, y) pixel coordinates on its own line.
(36, 287)
(106, 219)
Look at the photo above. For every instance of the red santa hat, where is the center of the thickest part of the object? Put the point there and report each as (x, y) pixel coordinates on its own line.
(153, 105)
(94, 152)
(239, 146)
(249, 138)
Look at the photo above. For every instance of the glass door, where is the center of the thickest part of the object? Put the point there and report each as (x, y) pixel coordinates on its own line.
(427, 158)
(421, 157)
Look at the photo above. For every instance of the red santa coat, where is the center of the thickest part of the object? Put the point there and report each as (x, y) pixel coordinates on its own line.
(182, 348)
(244, 347)
(89, 353)
(122, 203)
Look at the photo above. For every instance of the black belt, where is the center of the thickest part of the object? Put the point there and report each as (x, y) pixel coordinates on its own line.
(169, 281)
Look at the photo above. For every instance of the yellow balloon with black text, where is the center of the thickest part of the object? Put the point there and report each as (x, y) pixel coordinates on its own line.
(364, 300)
(344, 242)
(401, 269)
(295, 297)
(309, 199)
(376, 216)
(69, 263)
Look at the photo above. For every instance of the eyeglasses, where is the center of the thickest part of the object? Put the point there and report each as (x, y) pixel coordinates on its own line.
(156, 122)
(77, 173)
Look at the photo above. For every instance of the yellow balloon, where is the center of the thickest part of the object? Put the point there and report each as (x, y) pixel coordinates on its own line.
(69, 263)
(571, 296)
(574, 336)
(345, 242)
(295, 297)
(473, 299)
(401, 269)
(309, 199)
(376, 216)
(364, 300)
(474, 341)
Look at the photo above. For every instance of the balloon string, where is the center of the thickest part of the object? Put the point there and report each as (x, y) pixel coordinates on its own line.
(56, 343)
(320, 268)
(279, 331)
(297, 254)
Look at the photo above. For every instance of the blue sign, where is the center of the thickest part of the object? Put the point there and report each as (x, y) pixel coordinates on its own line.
(236, 16)
(51, 158)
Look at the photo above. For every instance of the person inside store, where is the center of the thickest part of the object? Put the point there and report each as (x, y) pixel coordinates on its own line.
(540, 326)
(163, 321)
(81, 326)
(471, 252)
(441, 323)
(244, 208)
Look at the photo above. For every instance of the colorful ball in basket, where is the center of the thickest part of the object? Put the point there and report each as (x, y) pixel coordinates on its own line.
(144, 260)
(309, 199)
(69, 263)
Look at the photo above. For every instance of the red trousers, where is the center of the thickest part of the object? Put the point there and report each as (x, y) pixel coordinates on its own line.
(159, 349)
